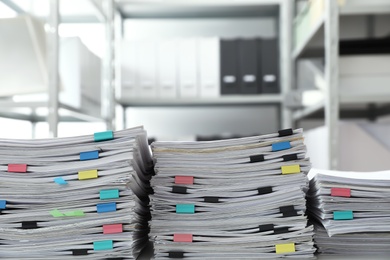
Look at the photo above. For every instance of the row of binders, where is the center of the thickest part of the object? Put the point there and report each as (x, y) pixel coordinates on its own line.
(241, 198)
(350, 211)
(80, 197)
(198, 67)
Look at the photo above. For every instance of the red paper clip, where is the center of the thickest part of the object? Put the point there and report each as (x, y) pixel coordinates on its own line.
(182, 238)
(112, 228)
(184, 180)
(17, 167)
(340, 192)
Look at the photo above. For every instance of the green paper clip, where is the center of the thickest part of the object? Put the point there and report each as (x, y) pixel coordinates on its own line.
(56, 213)
(75, 213)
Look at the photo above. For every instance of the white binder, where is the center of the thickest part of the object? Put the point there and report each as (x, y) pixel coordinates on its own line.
(147, 65)
(23, 62)
(129, 70)
(188, 74)
(167, 66)
(72, 66)
(209, 68)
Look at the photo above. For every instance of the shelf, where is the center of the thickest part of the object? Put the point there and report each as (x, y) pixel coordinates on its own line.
(38, 111)
(197, 9)
(356, 7)
(351, 106)
(364, 7)
(353, 98)
(9, 104)
(266, 99)
(87, 11)
(53, 111)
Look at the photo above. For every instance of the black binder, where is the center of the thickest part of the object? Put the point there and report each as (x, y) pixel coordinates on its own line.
(270, 66)
(248, 66)
(229, 67)
(365, 46)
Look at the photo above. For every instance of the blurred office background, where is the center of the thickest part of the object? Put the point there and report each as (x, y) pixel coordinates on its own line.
(202, 70)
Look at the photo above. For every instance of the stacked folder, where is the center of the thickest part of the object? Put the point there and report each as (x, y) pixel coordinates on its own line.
(351, 212)
(78, 197)
(240, 198)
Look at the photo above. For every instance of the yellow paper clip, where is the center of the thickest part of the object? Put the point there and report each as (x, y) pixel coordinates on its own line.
(90, 174)
(285, 248)
(289, 169)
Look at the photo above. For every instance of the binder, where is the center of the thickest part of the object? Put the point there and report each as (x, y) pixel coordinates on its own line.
(22, 52)
(209, 70)
(365, 46)
(93, 81)
(73, 70)
(248, 66)
(188, 74)
(229, 67)
(270, 65)
(147, 64)
(166, 69)
(129, 70)
(80, 72)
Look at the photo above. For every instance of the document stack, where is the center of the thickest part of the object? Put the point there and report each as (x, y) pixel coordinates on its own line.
(75, 198)
(239, 198)
(351, 212)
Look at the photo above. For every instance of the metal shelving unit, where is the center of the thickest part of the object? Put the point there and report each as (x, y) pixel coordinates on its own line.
(57, 111)
(332, 108)
(127, 9)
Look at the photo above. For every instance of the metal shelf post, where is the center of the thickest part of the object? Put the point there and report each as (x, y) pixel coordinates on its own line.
(332, 80)
(108, 100)
(53, 62)
(285, 32)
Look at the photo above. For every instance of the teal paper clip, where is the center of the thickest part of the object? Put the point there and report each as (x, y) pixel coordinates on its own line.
(103, 245)
(109, 194)
(343, 215)
(103, 136)
(60, 181)
(91, 155)
(281, 146)
(185, 208)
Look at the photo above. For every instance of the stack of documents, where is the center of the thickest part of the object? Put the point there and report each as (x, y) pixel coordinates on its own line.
(240, 198)
(351, 212)
(79, 197)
